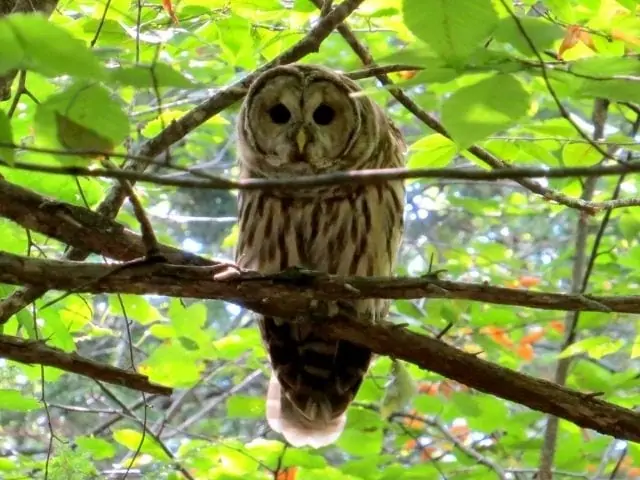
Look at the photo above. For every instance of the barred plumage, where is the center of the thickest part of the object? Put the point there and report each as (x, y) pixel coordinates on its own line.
(346, 230)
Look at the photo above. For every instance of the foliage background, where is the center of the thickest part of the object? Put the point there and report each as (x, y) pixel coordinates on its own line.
(91, 62)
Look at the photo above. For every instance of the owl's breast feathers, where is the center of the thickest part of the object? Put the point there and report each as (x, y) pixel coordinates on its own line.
(357, 234)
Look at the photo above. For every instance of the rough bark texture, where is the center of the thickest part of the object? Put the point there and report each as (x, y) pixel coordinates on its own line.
(37, 352)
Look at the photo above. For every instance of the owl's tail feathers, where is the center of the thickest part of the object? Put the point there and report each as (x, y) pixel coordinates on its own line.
(283, 417)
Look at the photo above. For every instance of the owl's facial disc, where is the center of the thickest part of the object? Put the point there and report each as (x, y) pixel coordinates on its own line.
(302, 126)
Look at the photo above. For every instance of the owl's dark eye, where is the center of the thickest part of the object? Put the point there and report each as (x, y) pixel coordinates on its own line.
(279, 114)
(324, 114)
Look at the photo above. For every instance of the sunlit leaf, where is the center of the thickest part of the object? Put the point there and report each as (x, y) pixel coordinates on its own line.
(16, 401)
(135, 440)
(157, 75)
(453, 28)
(479, 110)
(6, 137)
(45, 48)
(541, 32)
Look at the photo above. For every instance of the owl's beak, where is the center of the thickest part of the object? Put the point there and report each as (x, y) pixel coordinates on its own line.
(301, 140)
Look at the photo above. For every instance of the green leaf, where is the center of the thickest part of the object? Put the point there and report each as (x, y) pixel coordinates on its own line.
(173, 365)
(237, 343)
(11, 58)
(540, 31)
(605, 66)
(242, 406)
(432, 151)
(618, 90)
(15, 401)
(400, 390)
(629, 225)
(70, 119)
(134, 440)
(7, 465)
(596, 347)
(453, 28)
(7, 154)
(580, 154)
(355, 442)
(635, 347)
(134, 307)
(157, 75)
(484, 108)
(45, 48)
(631, 259)
(98, 448)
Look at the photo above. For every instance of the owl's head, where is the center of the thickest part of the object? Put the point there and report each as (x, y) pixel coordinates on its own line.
(303, 120)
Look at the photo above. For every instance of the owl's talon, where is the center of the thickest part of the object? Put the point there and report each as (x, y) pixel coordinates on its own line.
(223, 272)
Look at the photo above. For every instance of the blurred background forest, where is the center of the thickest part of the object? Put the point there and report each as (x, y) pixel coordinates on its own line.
(484, 83)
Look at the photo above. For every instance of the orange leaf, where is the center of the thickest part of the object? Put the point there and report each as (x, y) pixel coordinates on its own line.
(428, 453)
(287, 474)
(618, 34)
(575, 34)
(461, 432)
(446, 389)
(410, 444)
(168, 6)
(413, 421)
(557, 325)
(529, 281)
(633, 472)
(525, 351)
(430, 388)
(512, 284)
(498, 335)
(407, 75)
(533, 336)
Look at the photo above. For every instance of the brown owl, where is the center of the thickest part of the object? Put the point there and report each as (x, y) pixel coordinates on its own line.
(303, 120)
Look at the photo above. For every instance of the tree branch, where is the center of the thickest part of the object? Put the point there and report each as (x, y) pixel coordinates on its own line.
(36, 352)
(355, 177)
(280, 294)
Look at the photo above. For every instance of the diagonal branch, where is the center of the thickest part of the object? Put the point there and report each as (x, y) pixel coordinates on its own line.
(582, 409)
(187, 123)
(37, 352)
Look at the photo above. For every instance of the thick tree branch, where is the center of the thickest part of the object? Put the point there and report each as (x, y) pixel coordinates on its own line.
(37, 352)
(582, 409)
(80, 228)
(280, 294)
(187, 123)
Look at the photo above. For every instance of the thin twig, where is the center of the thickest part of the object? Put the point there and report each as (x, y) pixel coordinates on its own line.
(355, 177)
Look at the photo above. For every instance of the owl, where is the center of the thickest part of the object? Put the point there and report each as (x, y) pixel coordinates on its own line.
(301, 120)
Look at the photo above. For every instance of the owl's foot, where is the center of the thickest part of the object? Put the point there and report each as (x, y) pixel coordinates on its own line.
(223, 271)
